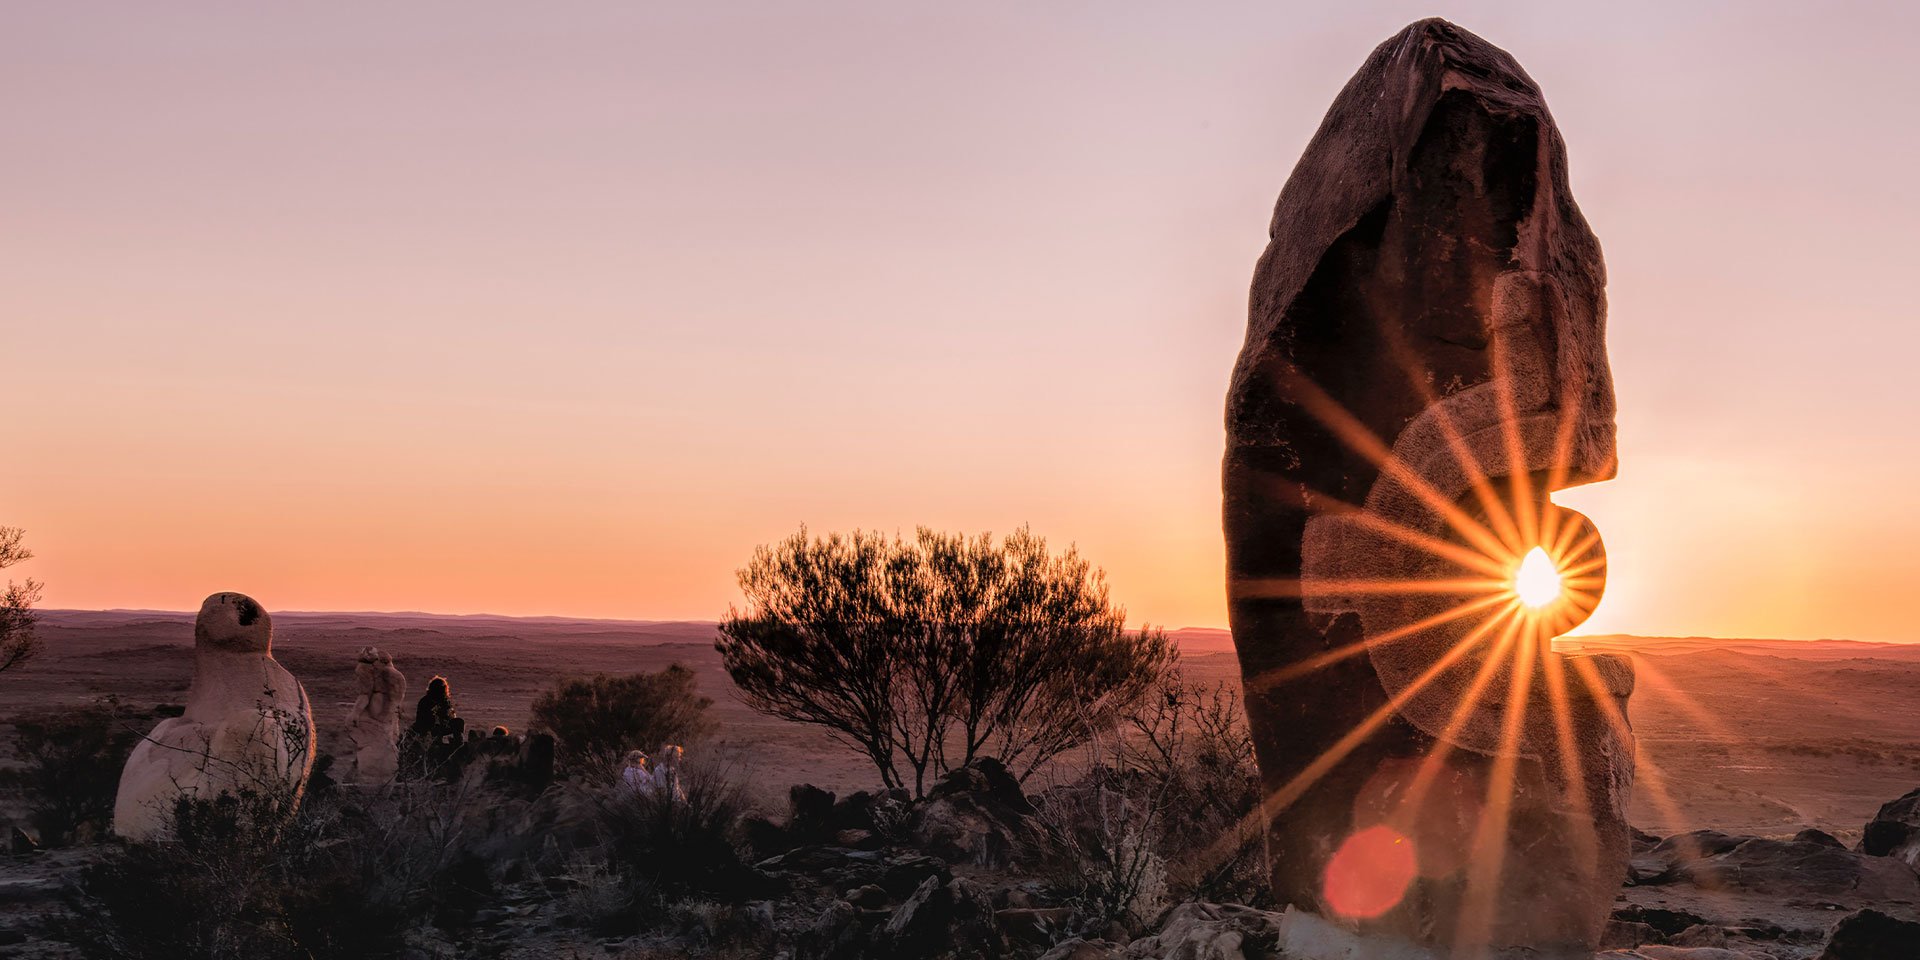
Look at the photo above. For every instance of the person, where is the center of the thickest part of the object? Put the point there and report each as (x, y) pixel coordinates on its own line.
(666, 773)
(636, 778)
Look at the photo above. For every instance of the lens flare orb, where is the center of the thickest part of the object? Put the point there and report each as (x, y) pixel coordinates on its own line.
(1537, 581)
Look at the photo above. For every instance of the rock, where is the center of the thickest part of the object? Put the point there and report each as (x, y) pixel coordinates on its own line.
(1431, 298)
(20, 843)
(1895, 830)
(1872, 935)
(1789, 868)
(1626, 933)
(905, 874)
(1760, 889)
(834, 933)
(1078, 949)
(1037, 926)
(975, 815)
(1212, 931)
(247, 727)
(1825, 839)
(373, 721)
(868, 897)
(1657, 952)
(1700, 935)
(1666, 923)
(810, 817)
(942, 918)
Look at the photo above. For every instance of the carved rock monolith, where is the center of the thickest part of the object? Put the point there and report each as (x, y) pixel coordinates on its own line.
(247, 728)
(373, 722)
(1424, 365)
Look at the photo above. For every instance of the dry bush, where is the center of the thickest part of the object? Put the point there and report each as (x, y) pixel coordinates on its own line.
(1164, 812)
(672, 848)
(925, 654)
(71, 767)
(18, 642)
(1190, 742)
(596, 720)
(596, 896)
(344, 878)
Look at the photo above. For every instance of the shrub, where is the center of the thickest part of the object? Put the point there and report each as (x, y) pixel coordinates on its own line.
(673, 848)
(18, 643)
(1164, 812)
(72, 761)
(1190, 742)
(928, 653)
(596, 720)
(241, 879)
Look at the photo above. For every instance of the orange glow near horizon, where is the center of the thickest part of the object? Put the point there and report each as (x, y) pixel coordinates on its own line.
(477, 310)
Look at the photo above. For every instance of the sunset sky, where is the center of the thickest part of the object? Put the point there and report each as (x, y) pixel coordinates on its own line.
(525, 309)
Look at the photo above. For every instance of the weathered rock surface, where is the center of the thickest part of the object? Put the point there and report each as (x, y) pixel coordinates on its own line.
(1895, 830)
(1428, 315)
(975, 815)
(373, 722)
(247, 728)
(1872, 935)
(1764, 896)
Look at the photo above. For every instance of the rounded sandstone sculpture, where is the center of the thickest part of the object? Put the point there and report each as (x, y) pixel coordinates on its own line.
(1424, 365)
(247, 728)
(373, 722)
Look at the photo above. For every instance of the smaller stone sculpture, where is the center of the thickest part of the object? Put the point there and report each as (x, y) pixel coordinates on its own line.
(247, 729)
(373, 723)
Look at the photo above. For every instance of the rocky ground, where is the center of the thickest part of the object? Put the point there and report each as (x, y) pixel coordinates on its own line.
(964, 873)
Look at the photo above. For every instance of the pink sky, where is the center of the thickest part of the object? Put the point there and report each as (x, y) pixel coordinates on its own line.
(494, 307)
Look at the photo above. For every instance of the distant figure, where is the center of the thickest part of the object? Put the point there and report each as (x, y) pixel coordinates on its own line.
(373, 723)
(438, 730)
(247, 726)
(635, 777)
(666, 773)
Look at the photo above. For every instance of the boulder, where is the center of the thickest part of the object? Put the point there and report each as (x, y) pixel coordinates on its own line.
(1895, 830)
(1425, 362)
(247, 727)
(943, 918)
(1872, 935)
(976, 815)
(1825, 839)
(1756, 890)
(1212, 931)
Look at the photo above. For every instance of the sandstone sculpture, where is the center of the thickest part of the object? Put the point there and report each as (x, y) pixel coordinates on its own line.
(247, 728)
(373, 722)
(1424, 365)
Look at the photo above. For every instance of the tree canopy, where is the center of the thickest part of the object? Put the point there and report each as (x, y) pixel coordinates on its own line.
(926, 653)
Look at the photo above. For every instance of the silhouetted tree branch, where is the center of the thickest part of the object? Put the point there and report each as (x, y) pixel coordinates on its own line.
(18, 643)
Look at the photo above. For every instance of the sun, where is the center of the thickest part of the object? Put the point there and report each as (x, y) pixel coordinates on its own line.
(1537, 581)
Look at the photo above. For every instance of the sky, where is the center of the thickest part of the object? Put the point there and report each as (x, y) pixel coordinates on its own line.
(535, 309)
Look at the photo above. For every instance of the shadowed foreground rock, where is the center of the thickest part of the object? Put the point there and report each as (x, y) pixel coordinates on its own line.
(1429, 311)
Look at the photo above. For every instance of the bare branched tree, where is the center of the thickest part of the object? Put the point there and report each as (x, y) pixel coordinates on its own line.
(18, 643)
(926, 654)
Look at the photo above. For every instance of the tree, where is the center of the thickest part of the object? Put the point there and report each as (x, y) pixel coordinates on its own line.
(925, 654)
(18, 643)
(596, 720)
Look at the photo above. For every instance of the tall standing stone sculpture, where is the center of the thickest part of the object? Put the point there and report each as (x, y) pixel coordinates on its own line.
(373, 722)
(1424, 364)
(248, 727)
